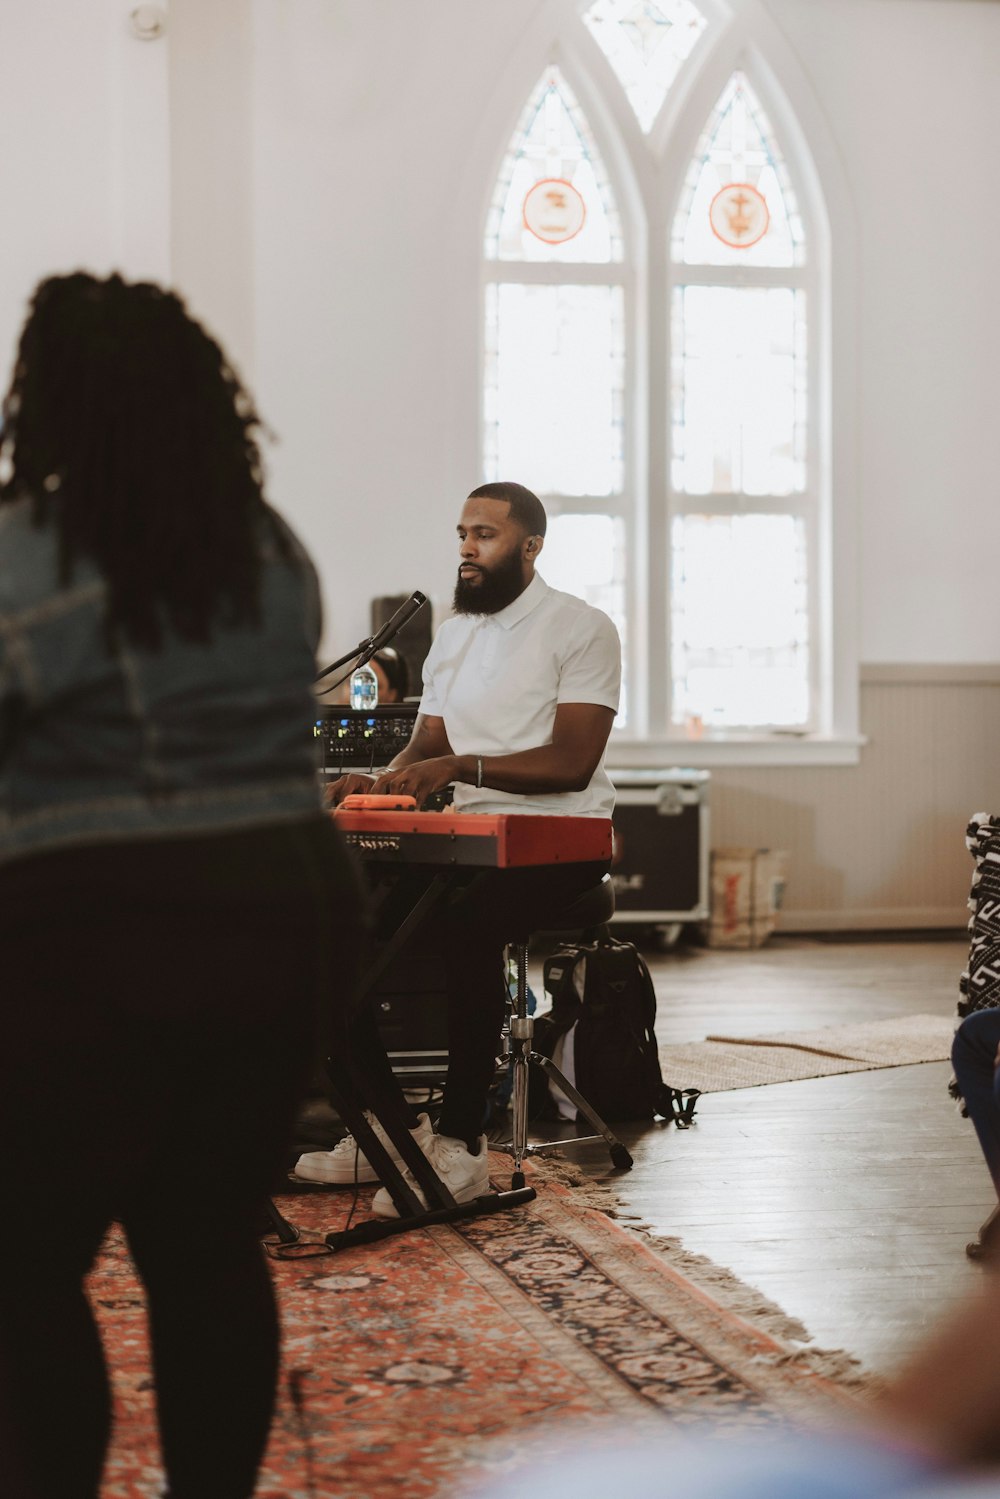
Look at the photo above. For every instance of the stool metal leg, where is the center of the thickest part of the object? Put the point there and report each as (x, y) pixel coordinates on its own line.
(522, 1029)
(619, 1153)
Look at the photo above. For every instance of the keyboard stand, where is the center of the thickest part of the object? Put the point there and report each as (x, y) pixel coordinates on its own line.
(428, 899)
(385, 1105)
(382, 1228)
(442, 1207)
(457, 846)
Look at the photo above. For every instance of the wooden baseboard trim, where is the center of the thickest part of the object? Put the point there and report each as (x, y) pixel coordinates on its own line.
(876, 918)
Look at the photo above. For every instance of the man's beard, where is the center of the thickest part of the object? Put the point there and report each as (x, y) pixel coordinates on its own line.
(490, 591)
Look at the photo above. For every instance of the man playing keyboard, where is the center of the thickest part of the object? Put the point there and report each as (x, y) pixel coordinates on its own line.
(521, 688)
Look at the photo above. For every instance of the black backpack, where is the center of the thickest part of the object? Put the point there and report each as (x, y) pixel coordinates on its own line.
(617, 1065)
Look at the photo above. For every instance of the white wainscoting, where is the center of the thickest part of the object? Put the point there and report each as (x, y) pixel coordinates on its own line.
(879, 845)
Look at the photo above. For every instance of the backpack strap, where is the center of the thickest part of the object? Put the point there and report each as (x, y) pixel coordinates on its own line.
(677, 1105)
(558, 980)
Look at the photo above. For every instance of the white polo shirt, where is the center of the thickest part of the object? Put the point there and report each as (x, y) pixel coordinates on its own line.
(496, 680)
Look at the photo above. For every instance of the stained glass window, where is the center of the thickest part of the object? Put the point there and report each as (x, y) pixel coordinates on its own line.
(556, 308)
(722, 555)
(739, 390)
(554, 387)
(740, 624)
(552, 148)
(738, 206)
(741, 651)
(647, 42)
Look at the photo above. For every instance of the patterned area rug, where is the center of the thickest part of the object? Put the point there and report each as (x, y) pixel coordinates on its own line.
(424, 1363)
(722, 1062)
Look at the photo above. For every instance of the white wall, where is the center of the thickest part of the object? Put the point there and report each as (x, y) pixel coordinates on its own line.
(367, 259)
(312, 175)
(301, 169)
(85, 160)
(366, 313)
(318, 212)
(209, 110)
(911, 89)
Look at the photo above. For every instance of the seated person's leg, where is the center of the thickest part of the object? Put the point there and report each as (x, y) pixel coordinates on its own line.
(495, 909)
(361, 1074)
(357, 1065)
(974, 1053)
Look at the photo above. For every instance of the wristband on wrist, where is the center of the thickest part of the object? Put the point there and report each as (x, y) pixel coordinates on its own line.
(479, 772)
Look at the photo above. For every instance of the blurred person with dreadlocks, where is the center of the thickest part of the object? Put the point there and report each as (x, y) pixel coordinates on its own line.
(171, 894)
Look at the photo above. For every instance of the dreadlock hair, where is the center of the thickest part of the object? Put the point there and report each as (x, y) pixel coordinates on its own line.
(525, 506)
(130, 432)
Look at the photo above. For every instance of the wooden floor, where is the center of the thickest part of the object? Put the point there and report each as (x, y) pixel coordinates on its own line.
(847, 1200)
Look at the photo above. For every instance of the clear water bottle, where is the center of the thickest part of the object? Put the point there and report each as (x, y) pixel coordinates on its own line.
(364, 688)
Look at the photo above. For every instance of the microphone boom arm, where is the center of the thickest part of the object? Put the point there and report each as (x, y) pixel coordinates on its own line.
(366, 649)
(359, 650)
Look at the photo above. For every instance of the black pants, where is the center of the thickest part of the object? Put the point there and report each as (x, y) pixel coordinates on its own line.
(973, 1055)
(470, 933)
(158, 1016)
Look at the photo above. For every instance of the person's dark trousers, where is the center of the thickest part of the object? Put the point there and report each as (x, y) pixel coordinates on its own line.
(158, 1016)
(973, 1055)
(470, 933)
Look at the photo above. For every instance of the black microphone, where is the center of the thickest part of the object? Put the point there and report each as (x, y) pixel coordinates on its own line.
(392, 626)
(363, 652)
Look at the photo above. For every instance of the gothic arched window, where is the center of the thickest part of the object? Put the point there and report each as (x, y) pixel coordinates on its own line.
(740, 499)
(659, 377)
(647, 42)
(556, 311)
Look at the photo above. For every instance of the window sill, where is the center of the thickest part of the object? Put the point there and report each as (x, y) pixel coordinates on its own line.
(651, 755)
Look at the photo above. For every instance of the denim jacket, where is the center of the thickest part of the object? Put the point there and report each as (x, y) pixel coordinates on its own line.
(98, 745)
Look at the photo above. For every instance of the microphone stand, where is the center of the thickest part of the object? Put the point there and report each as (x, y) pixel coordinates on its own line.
(365, 650)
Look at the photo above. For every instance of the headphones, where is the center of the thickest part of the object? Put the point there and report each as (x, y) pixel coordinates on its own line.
(532, 544)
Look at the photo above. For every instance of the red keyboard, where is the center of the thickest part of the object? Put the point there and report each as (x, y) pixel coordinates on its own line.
(504, 841)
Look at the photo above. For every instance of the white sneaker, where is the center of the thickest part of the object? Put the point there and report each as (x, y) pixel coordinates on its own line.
(347, 1163)
(466, 1176)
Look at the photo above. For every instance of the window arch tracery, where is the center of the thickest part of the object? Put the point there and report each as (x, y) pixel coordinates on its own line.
(739, 552)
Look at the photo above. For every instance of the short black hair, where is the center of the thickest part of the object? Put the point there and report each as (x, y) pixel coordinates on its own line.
(397, 673)
(525, 508)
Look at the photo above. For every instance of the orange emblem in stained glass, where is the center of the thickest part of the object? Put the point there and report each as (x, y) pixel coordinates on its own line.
(554, 211)
(739, 215)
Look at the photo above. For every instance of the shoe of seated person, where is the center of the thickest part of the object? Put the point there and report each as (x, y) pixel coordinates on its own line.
(347, 1165)
(987, 1245)
(465, 1175)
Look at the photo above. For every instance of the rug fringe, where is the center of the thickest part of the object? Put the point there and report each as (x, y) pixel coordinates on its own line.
(722, 1285)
